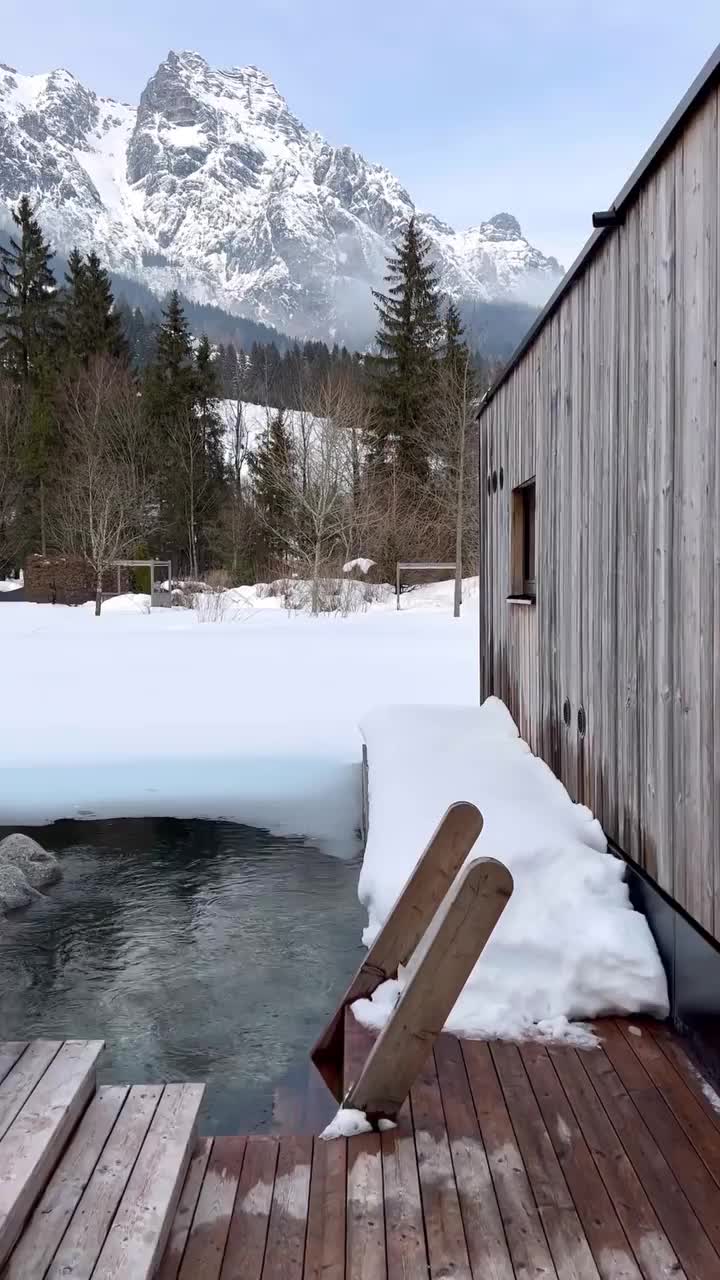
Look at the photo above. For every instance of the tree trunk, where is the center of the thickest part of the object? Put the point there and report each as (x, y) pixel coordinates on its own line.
(98, 593)
(43, 545)
(316, 577)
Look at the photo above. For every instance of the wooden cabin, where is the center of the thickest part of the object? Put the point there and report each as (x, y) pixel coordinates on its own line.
(600, 536)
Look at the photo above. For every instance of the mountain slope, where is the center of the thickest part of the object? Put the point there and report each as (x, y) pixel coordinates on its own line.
(212, 184)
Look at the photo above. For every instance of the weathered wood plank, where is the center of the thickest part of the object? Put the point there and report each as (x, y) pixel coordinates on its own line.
(22, 1078)
(139, 1232)
(90, 1223)
(611, 1250)
(708, 1099)
(285, 1250)
(444, 1230)
(325, 1246)
(404, 1230)
(441, 966)
(525, 1235)
(365, 1256)
(43, 1233)
(484, 1233)
(417, 902)
(680, 1223)
(10, 1051)
(211, 1222)
(566, 1237)
(182, 1223)
(34, 1141)
(245, 1248)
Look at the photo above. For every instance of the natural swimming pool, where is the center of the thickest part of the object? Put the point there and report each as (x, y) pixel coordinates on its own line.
(197, 950)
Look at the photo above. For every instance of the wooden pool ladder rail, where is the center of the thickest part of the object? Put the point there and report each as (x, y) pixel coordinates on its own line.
(445, 918)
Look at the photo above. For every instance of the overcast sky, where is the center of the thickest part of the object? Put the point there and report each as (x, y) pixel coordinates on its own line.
(538, 107)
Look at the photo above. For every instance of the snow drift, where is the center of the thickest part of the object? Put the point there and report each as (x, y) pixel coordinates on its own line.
(569, 944)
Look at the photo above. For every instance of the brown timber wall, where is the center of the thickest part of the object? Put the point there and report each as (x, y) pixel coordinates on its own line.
(614, 409)
(66, 580)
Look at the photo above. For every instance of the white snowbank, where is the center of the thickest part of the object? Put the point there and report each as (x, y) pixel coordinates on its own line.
(361, 563)
(348, 1123)
(253, 718)
(568, 945)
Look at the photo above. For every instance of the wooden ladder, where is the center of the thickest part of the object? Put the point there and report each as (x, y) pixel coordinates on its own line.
(445, 915)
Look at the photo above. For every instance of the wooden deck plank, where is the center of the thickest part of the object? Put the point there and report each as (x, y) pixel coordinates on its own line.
(684, 1104)
(90, 1223)
(404, 1228)
(285, 1249)
(325, 1246)
(681, 1225)
(32, 1145)
(10, 1051)
(565, 1235)
(484, 1232)
(708, 1099)
(185, 1212)
(358, 1043)
(138, 1235)
(247, 1238)
(365, 1254)
(43, 1233)
(691, 1172)
(444, 1229)
(211, 1222)
(21, 1079)
(653, 1251)
(525, 1235)
(611, 1249)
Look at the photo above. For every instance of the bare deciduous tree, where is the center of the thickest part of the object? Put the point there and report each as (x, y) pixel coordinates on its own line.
(104, 506)
(457, 403)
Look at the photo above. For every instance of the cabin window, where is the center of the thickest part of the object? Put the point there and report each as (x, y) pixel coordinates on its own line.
(522, 514)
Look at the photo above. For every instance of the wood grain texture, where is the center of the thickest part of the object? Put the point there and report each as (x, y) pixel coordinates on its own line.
(614, 409)
(34, 1141)
(205, 1249)
(442, 963)
(185, 1211)
(417, 902)
(86, 1232)
(21, 1079)
(247, 1238)
(285, 1250)
(365, 1255)
(139, 1232)
(325, 1246)
(444, 1228)
(10, 1051)
(53, 1212)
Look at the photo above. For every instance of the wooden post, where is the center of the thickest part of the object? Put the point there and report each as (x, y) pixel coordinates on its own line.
(416, 905)
(446, 957)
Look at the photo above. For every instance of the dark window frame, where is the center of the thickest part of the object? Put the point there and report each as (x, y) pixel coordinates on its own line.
(523, 543)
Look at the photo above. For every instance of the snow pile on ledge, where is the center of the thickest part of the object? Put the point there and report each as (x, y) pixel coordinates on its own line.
(569, 944)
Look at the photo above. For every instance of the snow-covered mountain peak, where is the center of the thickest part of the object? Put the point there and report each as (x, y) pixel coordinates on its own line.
(213, 185)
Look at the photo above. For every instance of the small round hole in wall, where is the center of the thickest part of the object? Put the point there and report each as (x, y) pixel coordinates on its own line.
(502, 477)
(581, 722)
(494, 481)
(567, 711)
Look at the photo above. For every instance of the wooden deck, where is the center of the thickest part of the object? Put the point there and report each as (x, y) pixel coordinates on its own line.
(509, 1163)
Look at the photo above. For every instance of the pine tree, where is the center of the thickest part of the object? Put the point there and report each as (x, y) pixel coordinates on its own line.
(207, 393)
(455, 349)
(171, 382)
(93, 324)
(407, 339)
(29, 327)
(271, 466)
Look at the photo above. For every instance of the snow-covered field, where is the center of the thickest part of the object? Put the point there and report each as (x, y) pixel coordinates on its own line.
(254, 719)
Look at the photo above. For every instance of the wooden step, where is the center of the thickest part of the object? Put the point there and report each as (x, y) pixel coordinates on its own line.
(42, 1097)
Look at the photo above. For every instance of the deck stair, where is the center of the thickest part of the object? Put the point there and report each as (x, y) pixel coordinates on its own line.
(90, 1177)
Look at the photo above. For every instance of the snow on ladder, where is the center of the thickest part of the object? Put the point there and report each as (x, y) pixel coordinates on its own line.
(447, 919)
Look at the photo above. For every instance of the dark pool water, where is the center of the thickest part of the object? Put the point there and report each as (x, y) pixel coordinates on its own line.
(197, 950)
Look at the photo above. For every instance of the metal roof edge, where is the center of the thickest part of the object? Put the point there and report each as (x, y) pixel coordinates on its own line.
(700, 86)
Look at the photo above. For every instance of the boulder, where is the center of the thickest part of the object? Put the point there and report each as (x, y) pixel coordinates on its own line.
(15, 891)
(39, 867)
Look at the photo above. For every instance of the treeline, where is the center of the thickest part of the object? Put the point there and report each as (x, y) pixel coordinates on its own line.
(123, 437)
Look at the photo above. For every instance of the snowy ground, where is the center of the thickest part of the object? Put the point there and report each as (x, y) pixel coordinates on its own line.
(568, 945)
(253, 719)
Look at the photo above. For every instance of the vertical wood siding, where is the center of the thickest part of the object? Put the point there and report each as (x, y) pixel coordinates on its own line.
(614, 409)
